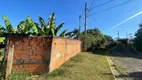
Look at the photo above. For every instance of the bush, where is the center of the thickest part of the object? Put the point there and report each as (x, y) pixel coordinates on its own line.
(95, 40)
(87, 42)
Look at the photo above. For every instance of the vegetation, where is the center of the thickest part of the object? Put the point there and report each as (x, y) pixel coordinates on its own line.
(138, 39)
(84, 66)
(2, 39)
(50, 28)
(1, 54)
(94, 40)
(74, 34)
(30, 27)
(19, 76)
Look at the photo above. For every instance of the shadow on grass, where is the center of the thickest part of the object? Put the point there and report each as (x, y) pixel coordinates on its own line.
(135, 76)
(58, 72)
(107, 74)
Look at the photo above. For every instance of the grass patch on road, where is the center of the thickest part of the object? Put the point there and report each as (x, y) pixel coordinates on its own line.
(84, 66)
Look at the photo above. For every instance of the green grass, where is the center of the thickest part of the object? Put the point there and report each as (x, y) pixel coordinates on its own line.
(17, 76)
(84, 66)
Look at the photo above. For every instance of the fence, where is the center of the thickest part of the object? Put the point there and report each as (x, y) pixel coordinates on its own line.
(38, 54)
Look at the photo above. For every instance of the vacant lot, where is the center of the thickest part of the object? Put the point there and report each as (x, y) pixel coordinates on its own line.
(84, 66)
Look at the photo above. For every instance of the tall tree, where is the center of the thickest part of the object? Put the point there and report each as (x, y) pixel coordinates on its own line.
(138, 38)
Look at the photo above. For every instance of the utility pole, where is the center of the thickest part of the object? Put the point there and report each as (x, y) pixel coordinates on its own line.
(126, 35)
(85, 24)
(79, 27)
(79, 23)
(118, 34)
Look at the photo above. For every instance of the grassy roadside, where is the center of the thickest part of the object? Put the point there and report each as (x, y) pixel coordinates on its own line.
(84, 66)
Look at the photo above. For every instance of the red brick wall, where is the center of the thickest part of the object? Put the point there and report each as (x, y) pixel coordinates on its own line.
(62, 50)
(30, 48)
(41, 54)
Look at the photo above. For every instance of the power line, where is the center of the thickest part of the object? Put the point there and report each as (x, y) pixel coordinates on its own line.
(101, 4)
(111, 7)
(97, 22)
(92, 3)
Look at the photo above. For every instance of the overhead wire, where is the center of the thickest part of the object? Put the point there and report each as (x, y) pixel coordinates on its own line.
(111, 7)
(101, 4)
(92, 3)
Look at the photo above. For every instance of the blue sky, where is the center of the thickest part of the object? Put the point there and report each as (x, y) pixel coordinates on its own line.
(67, 11)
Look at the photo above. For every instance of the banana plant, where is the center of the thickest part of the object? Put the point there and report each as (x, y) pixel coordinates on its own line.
(74, 34)
(2, 30)
(23, 27)
(32, 25)
(27, 26)
(44, 27)
(51, 24)
(50, 28)
(63, 33)
(9, 28)
(58, 28)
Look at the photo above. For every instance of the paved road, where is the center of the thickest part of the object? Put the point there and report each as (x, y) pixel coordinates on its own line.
(130, 60)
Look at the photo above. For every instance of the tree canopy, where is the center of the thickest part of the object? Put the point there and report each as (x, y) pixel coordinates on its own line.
(138, 38)
(94, 40)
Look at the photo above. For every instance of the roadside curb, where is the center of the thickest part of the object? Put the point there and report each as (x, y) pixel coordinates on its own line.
(110, 63)
(110, 68)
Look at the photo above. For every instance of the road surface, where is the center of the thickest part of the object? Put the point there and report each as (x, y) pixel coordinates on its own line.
(126, 57)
